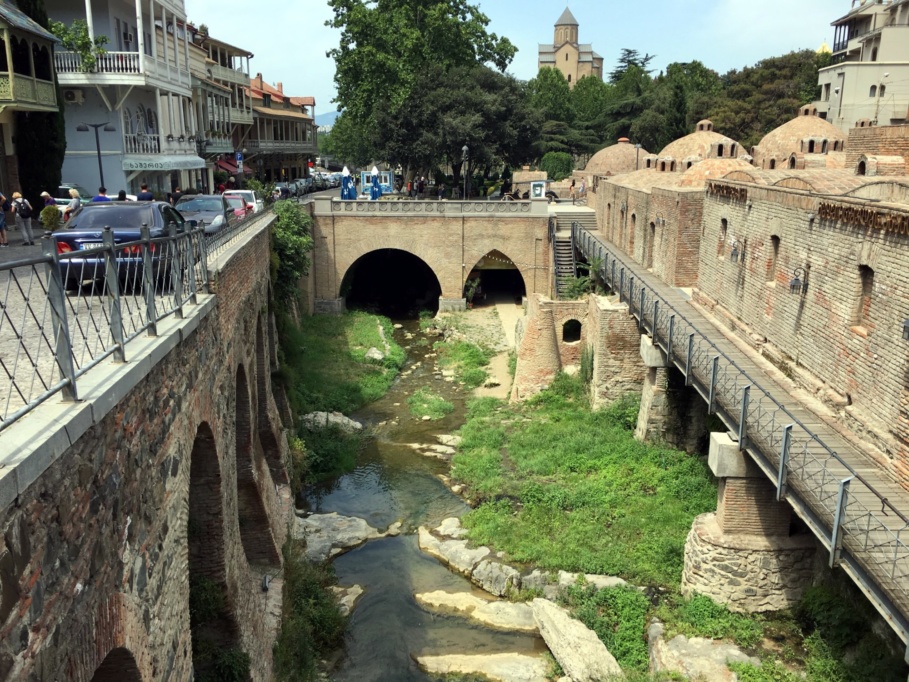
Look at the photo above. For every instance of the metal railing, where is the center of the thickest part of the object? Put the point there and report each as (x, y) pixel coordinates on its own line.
(860, 528)
(61, 314)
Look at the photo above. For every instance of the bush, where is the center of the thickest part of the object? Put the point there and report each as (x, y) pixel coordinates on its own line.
(558, 165)
(51, 218)
(424, 402)
(291, 244)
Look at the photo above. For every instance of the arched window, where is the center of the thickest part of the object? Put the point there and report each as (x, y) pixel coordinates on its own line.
(566, 56)
(127, 121)
(732, 150)
(772, 164)
(862, 315)
(824, 147)
(672, 166)
(21, 61)
(791, 163)
(721, 243)
(608, 213)
(647, 163)
(662, 166)
(874, 54)
(42, 60)
(571, 331)
(569, 75)
(882, 90)
(719, 151)
(873, 91)
(772, 260)
(811, 146)
(860, 169)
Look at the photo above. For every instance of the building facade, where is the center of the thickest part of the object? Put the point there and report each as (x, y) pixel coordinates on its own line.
(575, 60)
(868, 79)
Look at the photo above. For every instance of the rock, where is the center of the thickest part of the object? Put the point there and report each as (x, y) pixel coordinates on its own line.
(426, 418)
(444, 450)
(394, 530)
(491, 383)
(457, 489)
(448, 373)
(453, 441)
(327, 535)
(397, 325)
(496, 578)
(322, 420)
(502, 667)
(599, 581)
(347, 597)
(454, 553)
(497, 614)
(452, 528)
(695, 658)
(536, 580)
(375, 355)
(577, 649)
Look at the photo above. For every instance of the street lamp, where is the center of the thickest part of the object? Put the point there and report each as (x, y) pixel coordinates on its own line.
(201, 144)
(465, 157)
(799, 282)
(108, 128)
(877, 101)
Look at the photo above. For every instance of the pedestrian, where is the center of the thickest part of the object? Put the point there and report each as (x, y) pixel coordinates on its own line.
(4, 207)
(121, 195)
(572, 192)
(441, 190)
(421, 186)
(75, 203)
(175, 196)
(48, 199)
(583, 187)
(22, 210)
(101, 195)
(144, 194)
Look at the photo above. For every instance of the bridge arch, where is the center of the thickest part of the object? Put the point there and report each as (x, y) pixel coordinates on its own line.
(266, 435)
(393, 281)
(213, 625)
(255, 530)
(118, 666)
(500, 278)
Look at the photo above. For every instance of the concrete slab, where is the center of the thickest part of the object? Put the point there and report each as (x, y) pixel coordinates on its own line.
(726, 460)
(653, 356)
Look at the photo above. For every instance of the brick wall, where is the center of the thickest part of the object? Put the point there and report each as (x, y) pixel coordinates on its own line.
(616, 344)
(562, 313)
(748, 506)
(876, 140)
(845, 348)
(96, 554)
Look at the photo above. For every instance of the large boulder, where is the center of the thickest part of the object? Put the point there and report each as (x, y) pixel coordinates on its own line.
(323, 420)
(327, 535)
(695, 658)
(577, 649)
(496, 578)
(502, 615)
(453, 553)
(501, 667)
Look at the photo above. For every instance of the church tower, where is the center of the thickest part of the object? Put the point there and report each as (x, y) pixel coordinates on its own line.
(566, 29)
(575, 60)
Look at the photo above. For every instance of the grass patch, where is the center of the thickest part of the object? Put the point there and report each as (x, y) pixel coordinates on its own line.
(424, 402)
(700, 616)
(329, 452)
(466, 360)
(563, 487)
(324, 365)
(311, 622)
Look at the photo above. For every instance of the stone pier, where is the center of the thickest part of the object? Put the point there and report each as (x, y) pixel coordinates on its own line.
(613, 338)
(743, 554)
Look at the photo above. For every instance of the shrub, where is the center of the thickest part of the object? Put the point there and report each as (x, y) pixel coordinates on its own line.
(50, 218)
(291, 244)
(558, 165)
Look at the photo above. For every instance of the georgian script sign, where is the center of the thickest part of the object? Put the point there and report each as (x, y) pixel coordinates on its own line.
(877, 219)
(161, 162)
(728, 191)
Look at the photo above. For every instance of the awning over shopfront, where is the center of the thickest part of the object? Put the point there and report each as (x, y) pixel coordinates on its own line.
(231, 168)
(162, 162)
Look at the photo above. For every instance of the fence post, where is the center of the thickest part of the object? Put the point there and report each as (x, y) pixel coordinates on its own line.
(743, 416)
(836, 537)
(203, 259)
(711, 402)
(621, 284)
(688, 361)
(641, 325)
(56, 297)
(148, 282)
(189, 254)
(784, 462)
(112, 283)
(653, 326)
(669, 338)
(175, 262)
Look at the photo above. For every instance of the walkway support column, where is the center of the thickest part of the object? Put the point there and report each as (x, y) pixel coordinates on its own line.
(743, 555)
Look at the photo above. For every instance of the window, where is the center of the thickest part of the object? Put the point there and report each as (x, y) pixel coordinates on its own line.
(824, 147)
(772, 260)
(566, 56)
(827, 92)
(772, 164)
(882, 90)
(792, 162)
(719, 151)
(721, 244)
(874, 54)
(860, 169)
(873, 91)
(571, 331)
(862, 316)
(569, 75)
(811, 146)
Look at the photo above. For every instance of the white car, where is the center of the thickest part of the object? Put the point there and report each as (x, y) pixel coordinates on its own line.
(252, 199)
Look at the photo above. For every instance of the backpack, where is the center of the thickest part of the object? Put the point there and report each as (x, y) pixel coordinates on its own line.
(24, 209)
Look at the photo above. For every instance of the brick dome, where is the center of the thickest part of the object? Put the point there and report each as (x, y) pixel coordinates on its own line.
(621, 157)
(805, 134)
(703, 143)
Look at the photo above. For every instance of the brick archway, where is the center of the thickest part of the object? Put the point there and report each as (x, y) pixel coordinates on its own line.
(497, 271)
(118, 666)
(255, 530)
(266, 434)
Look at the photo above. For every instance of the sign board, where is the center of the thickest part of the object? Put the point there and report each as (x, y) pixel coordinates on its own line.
(240, 166)
(239, 157)
(538, 190)
(161, 162)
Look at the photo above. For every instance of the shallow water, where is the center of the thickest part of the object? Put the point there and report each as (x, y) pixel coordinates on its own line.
(392, 483)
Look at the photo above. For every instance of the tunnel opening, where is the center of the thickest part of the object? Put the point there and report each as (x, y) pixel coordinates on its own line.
(494, 279)
(391, 282)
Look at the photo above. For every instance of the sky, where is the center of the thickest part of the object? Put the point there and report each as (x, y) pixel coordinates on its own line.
(289, 37)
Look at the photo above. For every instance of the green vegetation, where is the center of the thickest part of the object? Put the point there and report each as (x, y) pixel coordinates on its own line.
(700, 616)
(75, 38)
(424, 402)
(571, 489)
(291, 239)
(311, 623)
(558, 165)
(466, 360)
(213, 661)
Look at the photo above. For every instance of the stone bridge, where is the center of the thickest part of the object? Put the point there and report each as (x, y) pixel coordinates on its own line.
(451, 237)
(163, 486)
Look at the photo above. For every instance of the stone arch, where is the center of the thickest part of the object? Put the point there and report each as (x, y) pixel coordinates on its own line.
(267, 438)
(213, 625)
(405, 261)
(649, 245)
(571, 331)
(502, 274)
(118, 666)
(255, 530)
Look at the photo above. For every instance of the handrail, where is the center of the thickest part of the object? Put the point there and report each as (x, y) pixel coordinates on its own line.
(50, 339)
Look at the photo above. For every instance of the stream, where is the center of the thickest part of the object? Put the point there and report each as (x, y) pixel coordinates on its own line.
(392, 482)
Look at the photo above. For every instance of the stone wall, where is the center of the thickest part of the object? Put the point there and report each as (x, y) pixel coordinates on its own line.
(615, 340)
(839, 342)
(671, 412)
(748, 573)
(564, 312)
(877, 140)
(96, 553)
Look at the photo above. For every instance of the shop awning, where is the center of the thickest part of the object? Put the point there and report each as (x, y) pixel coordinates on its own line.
(162, 162)
(231, 168)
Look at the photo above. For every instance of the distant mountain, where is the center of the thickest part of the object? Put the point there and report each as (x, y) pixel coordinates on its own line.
(326, 119)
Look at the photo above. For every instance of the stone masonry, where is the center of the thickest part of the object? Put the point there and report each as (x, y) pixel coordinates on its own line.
(615, 340)
(96, 553)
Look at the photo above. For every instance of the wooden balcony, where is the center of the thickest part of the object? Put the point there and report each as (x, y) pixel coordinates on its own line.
(241, 116)
(27, 93)
(120, 68)
(225, 74)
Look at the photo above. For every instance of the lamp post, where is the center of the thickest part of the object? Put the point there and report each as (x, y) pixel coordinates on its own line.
(108, 128)
(201, 144)
(877, 100)
(637, 153)
(465, 158)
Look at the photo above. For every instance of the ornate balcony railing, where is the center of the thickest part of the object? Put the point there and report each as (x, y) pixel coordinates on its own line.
(27, 90)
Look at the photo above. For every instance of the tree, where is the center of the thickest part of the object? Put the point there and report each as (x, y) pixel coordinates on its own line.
(630, 58)
(40, 136)
(386, 44)
(558, 165)
(550, 95)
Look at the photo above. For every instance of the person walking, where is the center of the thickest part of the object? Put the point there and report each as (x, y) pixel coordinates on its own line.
(22, 210)
(48, 199)
(4, 207)
(144, 194)
(75, 203)
(572, 192)
(121, 195)
(101, 195)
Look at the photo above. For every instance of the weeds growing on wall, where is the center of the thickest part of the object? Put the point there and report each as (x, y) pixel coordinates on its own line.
(311, 622)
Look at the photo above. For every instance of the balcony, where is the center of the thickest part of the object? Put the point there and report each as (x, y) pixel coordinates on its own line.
(25, 92)
(241, 116)
(120, 68)
(225, 74)
(282, 146)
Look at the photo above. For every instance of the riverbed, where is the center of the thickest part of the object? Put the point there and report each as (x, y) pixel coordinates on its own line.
(393, 482)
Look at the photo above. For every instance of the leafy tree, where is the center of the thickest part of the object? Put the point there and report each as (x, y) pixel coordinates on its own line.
(386, 44)
(550, 95)
(558, 165)
(590, 98)
(628, 59)
(76, 39)
(40, 136)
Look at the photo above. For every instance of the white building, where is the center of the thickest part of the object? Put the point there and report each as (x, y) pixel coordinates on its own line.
(868, 80)
(136, 101)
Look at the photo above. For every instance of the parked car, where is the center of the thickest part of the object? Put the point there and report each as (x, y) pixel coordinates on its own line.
(212, 211)
(286, 190)
(253, 201)
(319, 182)
(62, 192)
(237, 205)
(85, 230)
(303, 185)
